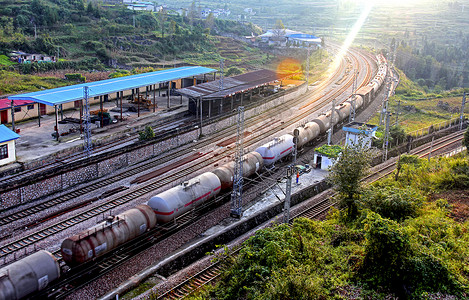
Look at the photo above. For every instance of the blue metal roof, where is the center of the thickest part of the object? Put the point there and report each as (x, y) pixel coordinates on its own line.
(75, 92)
(6, 134)
(302, 36)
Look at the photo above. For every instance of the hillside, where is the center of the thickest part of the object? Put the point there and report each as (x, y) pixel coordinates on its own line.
(95, 36)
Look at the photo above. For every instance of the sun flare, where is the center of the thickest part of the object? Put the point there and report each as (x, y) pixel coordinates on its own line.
(351, 37)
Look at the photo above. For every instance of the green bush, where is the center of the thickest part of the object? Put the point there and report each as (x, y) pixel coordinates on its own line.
(147, 134)
(75, 77)
(393, 202)
(331, 151)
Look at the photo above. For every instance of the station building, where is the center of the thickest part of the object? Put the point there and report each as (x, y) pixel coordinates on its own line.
(7, 145)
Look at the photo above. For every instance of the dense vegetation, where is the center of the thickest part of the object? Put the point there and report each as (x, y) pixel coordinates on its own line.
(91, 35)
(401, 242)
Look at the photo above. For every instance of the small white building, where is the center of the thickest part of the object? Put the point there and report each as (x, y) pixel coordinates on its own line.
(359, 132)
(141, 5)
(7, 145)
(325, 156)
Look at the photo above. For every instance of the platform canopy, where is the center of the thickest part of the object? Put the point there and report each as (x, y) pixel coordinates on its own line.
(233, 85)
(6, 134)
(71, 93)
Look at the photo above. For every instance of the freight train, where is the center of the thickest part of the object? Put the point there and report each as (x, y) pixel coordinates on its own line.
(33, 273)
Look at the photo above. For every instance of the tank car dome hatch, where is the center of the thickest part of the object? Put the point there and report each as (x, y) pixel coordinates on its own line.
(28, 275)
(276, 149)
(107, 235)
(178, 200)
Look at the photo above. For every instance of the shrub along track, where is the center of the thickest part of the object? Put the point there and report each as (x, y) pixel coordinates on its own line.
(436, 148)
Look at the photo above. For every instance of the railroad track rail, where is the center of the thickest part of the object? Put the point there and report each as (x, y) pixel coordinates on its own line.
(421, 152)
(7, 219)
(210, 274)
(42, 234)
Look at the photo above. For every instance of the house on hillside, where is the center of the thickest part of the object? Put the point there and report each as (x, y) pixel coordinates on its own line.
(141, 6)
(290, 38)
(23, 57)
(7, 145)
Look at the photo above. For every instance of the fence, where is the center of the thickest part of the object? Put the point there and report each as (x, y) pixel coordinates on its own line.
(434, 128)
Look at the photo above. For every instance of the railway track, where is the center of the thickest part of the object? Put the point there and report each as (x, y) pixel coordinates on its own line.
(213, 271)
(7, 219)
(421, 152)
(146, 188)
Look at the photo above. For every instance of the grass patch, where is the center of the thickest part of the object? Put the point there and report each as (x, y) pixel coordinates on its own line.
(416, 112)
(5, 61)
(11, 82)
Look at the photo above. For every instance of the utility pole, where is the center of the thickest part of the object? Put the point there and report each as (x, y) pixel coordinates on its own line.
(386, 136)
(220, 83)
(237, 192)
(397, 112)
(13, 115)
(307, 68)
(461, 117)
(286, 208)
(331, 130)
(87, 145)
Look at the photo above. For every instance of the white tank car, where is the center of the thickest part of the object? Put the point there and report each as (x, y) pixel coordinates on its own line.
(252, 162)
(276, 149)
(28, 275)
(344, 110)
(107, 235)
(358, 102)
(184, 197)
(336, 117)
(323, 122)
(307, 133)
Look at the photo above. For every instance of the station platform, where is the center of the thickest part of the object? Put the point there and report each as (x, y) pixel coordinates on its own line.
(38, 143)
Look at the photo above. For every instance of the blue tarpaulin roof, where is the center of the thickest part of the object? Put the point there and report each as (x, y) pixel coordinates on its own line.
(6, 134)
(75, 92)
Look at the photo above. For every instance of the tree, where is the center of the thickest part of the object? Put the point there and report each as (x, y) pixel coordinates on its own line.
(386, 251)
(192, 14)
(346, 175)
(172, 27)
(162, 17)
(279, 30)
(232, 71)
(147, 134)
(210, 21)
